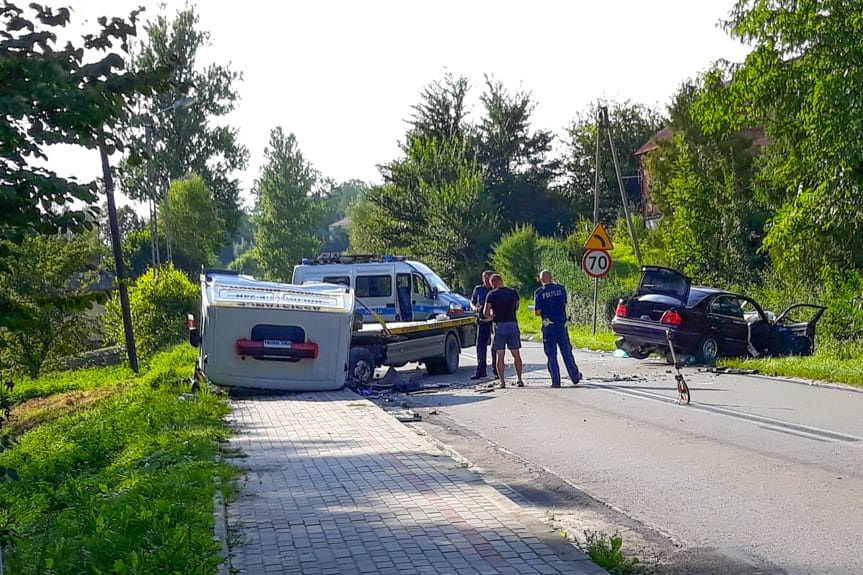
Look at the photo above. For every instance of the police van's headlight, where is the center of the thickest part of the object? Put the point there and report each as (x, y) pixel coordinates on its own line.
(456, 308)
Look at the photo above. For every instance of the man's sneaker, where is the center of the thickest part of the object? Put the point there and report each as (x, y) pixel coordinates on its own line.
(502, 385)
(478, 376)
(519, 383)
(555, 385)
(577, 379)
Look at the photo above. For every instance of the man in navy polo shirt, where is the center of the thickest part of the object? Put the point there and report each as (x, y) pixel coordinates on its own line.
(483, 331)
(550, 304)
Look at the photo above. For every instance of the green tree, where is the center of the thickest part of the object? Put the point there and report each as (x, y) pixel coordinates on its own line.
(442, 113)
(459, 219)
(76, 94)
(185, 140)
(632, 126)
(340, 197)
(434, 196)
(713, 222)
(373, 230)
(160, 301)
(128, 221)
(137, 252)
(338, 200)
(515, 160)
(288, 208)
(433, 207)
(42, 85)
(49, 280)
(801, 82)
(242, 242)
(195, 224)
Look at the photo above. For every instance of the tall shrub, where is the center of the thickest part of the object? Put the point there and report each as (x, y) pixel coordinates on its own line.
(159, 301)
(516, 258)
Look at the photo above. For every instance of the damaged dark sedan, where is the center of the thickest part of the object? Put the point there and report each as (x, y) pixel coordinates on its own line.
(705, 323)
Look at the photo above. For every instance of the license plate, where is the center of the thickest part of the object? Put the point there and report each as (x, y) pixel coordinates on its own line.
(278, 343)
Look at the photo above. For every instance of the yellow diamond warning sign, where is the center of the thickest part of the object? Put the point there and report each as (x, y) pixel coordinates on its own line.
(598, 240)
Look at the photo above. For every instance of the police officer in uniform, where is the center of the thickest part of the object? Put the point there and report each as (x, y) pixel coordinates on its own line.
(550, 304)
(483, 328)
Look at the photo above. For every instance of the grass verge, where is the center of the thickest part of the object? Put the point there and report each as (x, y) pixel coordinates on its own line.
(822, 367)
(116, 474)
(581, 336)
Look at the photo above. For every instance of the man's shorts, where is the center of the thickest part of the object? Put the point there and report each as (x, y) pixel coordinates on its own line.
(506, 335)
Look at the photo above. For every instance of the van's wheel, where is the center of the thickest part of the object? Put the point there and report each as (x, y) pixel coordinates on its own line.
(708, 351)
(448, 362)
(361, 366)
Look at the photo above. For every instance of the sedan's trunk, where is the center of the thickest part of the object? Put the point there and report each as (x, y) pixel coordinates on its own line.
(650, 307)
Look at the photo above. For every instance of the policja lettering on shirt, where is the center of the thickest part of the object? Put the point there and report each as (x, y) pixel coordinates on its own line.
(550, 304)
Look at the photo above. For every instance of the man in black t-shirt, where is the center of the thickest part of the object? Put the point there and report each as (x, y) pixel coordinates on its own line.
(501, 306)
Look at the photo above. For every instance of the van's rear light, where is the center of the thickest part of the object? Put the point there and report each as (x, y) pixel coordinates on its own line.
(671, 317)
(276, 349)
(620, 310)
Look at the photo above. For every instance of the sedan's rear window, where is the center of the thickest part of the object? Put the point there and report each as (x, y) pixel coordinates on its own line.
(696, 296)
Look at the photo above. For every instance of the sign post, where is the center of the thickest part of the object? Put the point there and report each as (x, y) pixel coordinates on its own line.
(596, 262)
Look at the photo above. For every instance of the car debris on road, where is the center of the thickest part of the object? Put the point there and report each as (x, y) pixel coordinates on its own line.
(406, 415)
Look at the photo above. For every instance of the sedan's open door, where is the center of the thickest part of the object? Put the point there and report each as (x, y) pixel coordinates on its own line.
(801, 319)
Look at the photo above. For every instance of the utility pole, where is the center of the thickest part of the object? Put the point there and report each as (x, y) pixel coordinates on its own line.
(599, 118)
(154, 228)
(118, 261)
(168, 252)
(623, 198)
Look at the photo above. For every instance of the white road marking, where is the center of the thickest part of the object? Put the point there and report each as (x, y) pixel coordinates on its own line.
(769, 423)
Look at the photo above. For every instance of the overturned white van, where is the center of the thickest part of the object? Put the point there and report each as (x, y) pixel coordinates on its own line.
(265, 335)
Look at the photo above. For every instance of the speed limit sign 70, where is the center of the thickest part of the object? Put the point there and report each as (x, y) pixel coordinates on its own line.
(596, 263)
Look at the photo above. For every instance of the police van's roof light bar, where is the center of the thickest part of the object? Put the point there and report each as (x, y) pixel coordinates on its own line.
(337, 258)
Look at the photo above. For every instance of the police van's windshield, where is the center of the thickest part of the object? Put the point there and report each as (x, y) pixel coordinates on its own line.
(432, 278)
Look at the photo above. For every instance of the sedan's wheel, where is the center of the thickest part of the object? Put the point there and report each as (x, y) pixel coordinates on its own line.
(708, 351)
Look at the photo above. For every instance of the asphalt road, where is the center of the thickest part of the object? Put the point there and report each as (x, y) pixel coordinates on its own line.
(765, 473)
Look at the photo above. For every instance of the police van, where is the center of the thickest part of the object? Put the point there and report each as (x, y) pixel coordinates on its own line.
(394, 287)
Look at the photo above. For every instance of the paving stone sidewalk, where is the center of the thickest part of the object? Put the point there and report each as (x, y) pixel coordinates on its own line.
(336, 485)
